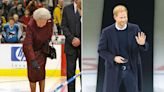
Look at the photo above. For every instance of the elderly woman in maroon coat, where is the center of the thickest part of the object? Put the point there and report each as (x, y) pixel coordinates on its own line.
(39, 31)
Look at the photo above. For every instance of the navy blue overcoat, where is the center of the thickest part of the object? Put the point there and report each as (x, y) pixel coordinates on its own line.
(108, 48)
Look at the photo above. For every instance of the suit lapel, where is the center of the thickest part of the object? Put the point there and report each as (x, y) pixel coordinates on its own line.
(74, 15)
(72, 12)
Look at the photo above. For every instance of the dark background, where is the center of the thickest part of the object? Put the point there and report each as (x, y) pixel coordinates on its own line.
(140, 12)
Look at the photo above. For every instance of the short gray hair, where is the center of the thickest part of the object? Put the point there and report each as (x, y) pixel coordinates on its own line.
(41, 13)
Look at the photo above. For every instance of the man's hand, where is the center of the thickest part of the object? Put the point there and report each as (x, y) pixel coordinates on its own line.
(141, 38)
(119, 59)
(75, 42)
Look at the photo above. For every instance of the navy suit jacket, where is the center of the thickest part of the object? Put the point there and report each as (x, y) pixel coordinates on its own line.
(108, 48)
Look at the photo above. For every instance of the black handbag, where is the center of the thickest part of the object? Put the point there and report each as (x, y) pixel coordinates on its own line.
(50, 51)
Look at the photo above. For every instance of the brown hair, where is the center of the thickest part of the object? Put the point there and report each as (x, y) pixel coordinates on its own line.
(119, 8)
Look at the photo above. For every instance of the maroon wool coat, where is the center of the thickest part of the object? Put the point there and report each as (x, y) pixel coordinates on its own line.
(32, 47)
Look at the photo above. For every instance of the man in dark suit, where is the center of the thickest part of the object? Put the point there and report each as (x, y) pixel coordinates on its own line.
(120, 45)
(71, 26)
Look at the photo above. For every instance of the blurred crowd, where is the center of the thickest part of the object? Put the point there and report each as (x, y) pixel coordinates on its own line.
(16, 14)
